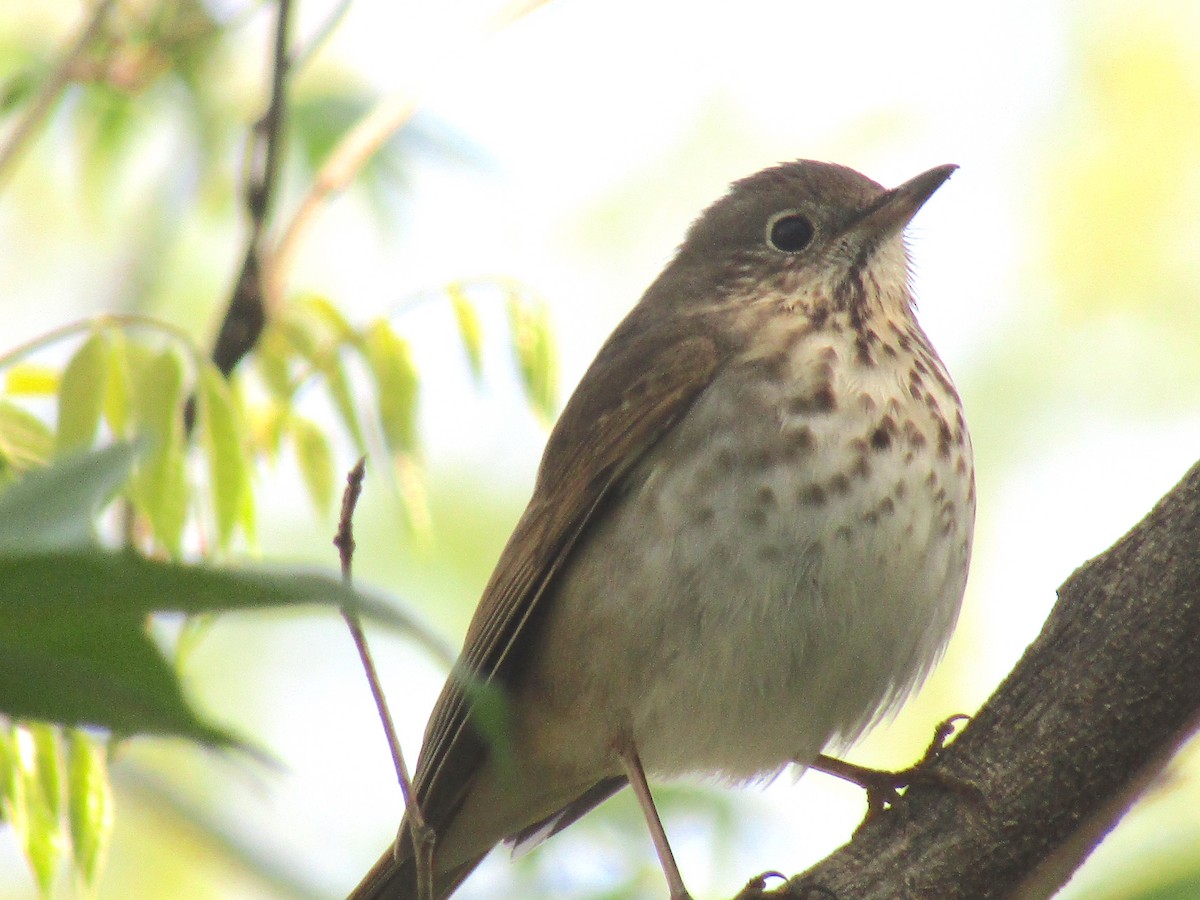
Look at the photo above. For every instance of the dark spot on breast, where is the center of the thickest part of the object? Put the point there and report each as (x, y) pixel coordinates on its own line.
(900, 490)
(943, 439)
(844, 533)
(798, 442)
(820, 313)
(861, 468)
(870, 518)
(725, 460)
(839, 484)
(755, 517)
(913, 436)
(862, 350)
(821, 400)
(960, 465)
(850, 293)
(765, 496)
(703, 515)
(770, 554)
(811, 495)
(775, 367)
(881, 437)
(887, 506)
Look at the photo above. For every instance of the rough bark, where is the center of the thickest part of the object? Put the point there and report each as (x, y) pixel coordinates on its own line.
(1090, 715)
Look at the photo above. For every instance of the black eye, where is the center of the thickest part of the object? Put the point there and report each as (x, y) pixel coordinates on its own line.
(789, 232)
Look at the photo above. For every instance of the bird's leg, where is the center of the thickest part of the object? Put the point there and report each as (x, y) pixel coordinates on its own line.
(883, 787)
(637, 780)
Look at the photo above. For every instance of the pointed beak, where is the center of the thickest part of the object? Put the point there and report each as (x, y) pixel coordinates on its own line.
(894, 209)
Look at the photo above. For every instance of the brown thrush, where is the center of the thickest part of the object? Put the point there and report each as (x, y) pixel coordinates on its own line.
(748, 539)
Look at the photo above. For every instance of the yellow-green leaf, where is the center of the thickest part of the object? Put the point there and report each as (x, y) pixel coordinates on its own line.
(321, 310)
(410, 481)
(396, 386)
(117, 386)
(343, 398)
(228, 468)
(31, 380)
(469, 328)
(315, 458)
(90, 803)
(537, 360)
(25, 441)
(49, 764)
(160, 485)
(81, 395)
(271, 359)
(38, 827)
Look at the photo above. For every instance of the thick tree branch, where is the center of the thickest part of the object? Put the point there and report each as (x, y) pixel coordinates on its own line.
(1092, 712)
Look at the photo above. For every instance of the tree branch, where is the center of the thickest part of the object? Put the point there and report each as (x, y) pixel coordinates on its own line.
(51, 89)
(1089, 717)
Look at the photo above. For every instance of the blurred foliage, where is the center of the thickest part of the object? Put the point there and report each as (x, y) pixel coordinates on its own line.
(153, 125)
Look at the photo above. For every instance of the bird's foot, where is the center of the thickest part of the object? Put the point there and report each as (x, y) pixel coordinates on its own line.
(884, 787)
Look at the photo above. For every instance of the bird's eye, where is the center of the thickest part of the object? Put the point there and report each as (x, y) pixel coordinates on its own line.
(789, 232)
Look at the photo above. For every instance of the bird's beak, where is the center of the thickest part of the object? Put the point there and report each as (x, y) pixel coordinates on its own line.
(895, 208)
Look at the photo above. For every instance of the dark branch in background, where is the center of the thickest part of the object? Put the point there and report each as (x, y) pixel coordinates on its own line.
(1094, 710)
(344, 541)
(52, 87)
(246, 316)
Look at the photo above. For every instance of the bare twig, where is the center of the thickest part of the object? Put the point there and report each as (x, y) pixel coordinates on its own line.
(362, 142)
(51, 88)
(344, 541)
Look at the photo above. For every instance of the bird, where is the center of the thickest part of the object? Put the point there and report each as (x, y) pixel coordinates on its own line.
(747, 542)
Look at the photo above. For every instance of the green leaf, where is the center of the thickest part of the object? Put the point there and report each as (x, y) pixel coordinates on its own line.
(53, 508)
(396, 386)
(321, 310)
(343, 398)
(160, 486)
(38, 827)
(228, 467)
(536, 358)
(74, 647)
(81, 395)
(315, 457)
(31, 380)
(468, 328)
(25, 441)
(90, 803)
(117, 387)
(49, 765)
(271, 358)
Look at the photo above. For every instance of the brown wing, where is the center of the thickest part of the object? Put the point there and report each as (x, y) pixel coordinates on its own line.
(613, 418)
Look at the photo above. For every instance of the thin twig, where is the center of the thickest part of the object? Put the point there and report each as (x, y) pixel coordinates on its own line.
(362, 142)
(245, 316)
(52, 87)
(344, 541)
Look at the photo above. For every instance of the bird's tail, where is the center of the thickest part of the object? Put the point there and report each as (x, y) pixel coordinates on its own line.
(393, 878)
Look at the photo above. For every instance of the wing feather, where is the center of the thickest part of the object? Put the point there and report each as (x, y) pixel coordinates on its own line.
(626, 402)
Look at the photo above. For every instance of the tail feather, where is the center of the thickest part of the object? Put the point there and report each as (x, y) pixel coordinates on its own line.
(528, 838)
(396, 879)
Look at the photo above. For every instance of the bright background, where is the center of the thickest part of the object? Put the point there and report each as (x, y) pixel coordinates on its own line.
(1057, 273)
